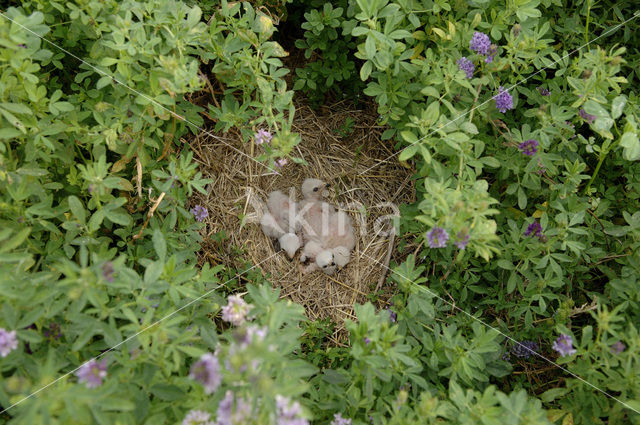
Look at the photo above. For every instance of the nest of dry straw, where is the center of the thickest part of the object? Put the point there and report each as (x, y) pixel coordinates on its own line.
(343, 160)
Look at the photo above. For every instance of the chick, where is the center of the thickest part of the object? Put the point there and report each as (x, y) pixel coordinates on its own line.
(290, 242)
(322, 258)
(279, 222)
(314, 189)
(283, 209)
(329, 238)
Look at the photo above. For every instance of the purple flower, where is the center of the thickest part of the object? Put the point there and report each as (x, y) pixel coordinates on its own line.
(92, 373)
(207, 372)
(544, 92)
(462, 240)
(366, 340)
(200, 212)
(480, 43)
(393, 317)
(289, 413)
(529, 147)
(524, 349)
(281, 162)
(491, 53)
(227, 415)
(262, 136)
(90, 188)
(8, 342)
(251, 334)
(467, 66)
(339, 420)
(504, 101)
(197, 417)
(107, 271)
(534, 228)
(564, 345)
(235, 312)
(53, 332)
(437, 237)
(618, 347)
(586, 116)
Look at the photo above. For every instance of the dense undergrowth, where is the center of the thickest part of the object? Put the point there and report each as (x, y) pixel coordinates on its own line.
(527, 211)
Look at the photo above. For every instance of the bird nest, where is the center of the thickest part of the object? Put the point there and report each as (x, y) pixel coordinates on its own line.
(342, 146)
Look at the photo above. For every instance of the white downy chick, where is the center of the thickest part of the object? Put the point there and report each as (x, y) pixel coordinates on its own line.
(322, 259)
(341, 256)
(340, 232)
(270, 226)
(279, 222)
(283, 209)
(290, 242)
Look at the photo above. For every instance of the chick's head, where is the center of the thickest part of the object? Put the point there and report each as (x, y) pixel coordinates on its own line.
(314, 189)
(324, 260)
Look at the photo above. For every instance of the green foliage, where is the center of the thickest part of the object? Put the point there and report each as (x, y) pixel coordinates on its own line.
(98, 248)
(330, 64)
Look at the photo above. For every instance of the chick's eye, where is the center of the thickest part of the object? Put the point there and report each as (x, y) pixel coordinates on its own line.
(315, 189)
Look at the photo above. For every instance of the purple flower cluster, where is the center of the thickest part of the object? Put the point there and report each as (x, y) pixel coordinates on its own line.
(544, 92)
(504, 101)
(92, 373)
(467, 66)
(281, 162)
(534, 229)
(586, 116)
(262, 136)
(480, 43)
(235, 312)
(200, 212)
(491, 53)
(197, 417)
(53, 332)
(251, 334)
(393, 317)
(8, 342)
(462, 240)
(618, 347)
(339, 420)
(207, 372)
(437, 237)
(529, 147)
(289, 413)
(107, 271)
(227, 415)
(564, 345)
(525, 349)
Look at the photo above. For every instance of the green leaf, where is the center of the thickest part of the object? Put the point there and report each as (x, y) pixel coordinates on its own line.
(617, 106)
(167, 392)
(407, 152)
(594, 108)
(77, 209)
(629, 141)
(159, 244)
(365, 71)
(16, 241)
(370, 47)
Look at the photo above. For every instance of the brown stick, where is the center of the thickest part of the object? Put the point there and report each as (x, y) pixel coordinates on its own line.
(387, 259)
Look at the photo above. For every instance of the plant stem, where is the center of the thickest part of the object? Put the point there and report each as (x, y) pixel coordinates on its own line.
(595, 173)
(586, 27)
